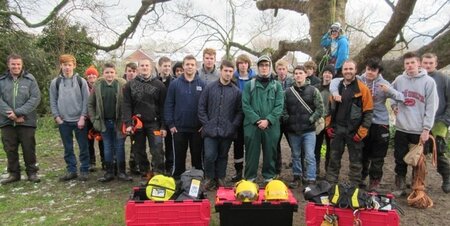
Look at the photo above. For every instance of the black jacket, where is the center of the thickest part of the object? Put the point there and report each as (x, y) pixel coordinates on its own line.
(296, 118)
(146, 98)
(220, 110)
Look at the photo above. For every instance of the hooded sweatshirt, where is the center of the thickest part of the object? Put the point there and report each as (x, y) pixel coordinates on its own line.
(69, 101)
(418, 110)
(240, 82)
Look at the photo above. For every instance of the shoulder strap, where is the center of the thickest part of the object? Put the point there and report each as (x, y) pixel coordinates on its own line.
(58, 81)
(300, 99)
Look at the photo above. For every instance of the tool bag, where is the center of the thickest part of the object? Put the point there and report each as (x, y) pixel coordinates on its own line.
(160, 188)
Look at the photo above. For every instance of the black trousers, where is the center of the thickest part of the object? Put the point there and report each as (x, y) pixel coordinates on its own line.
(238, 149)
(374, 151)
(318, 148)
(24, 136)
(183, 140)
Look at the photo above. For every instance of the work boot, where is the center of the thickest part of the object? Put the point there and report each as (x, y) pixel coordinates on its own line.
(122, 175)
(11, 178)
(446, 184)
(109, 175)
(68, 176)
(84, 176)
(374, 184)
(32, 177)
(400, 186)
(209, 185)
(237, 177)
(92, 167)
(221, 182)
(296, 183)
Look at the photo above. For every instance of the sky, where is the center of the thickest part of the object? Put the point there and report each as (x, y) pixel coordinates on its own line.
(291, 25)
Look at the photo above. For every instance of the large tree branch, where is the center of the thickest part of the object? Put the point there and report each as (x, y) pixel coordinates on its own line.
(438, 46)
(246, 49)
(284, 47)
(385, 40)
(300, 6)
(50, 16)
(143, 10)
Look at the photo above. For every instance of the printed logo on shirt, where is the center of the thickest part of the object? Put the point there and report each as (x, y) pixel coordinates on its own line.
(199, 88)
(410, 102)
(415, 95)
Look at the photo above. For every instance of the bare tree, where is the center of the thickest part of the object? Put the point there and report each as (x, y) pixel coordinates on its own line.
(146, 7)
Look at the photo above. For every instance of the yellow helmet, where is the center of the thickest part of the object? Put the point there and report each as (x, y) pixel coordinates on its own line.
(276, 190)
(160, 188)
(246, 191)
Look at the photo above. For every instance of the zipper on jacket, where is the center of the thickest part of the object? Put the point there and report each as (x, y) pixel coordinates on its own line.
(15, 92)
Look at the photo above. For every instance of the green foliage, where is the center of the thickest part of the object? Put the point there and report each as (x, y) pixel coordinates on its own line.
(34, 60)
(60, 37)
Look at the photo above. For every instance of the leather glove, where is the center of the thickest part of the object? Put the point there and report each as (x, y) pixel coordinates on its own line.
(330, 132)
(357, 138)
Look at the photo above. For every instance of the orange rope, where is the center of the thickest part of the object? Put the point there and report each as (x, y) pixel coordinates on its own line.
(418, 198)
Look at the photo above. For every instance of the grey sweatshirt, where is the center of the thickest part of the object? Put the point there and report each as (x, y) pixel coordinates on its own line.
(70, 101)
(208, 77)
(380, 112)
(417, 112)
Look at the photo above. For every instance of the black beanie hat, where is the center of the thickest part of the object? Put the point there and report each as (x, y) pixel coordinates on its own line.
(329, 68)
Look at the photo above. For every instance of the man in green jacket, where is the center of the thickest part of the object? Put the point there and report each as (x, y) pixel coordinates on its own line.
(19, 97)
(262, 104)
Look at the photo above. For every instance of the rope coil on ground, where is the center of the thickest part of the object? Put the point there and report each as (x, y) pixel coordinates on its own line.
(418, 198)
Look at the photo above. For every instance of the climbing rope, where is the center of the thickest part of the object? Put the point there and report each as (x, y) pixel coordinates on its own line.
(418, 198)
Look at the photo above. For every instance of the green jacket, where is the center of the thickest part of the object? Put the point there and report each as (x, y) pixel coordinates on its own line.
(21, 96)
(95, 105)
(262, 102)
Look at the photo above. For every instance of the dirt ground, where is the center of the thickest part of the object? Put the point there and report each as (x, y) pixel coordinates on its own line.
(439, 214)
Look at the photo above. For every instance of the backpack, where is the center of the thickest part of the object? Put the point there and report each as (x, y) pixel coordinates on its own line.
(190, 185)
(348, 196)
(58, 81)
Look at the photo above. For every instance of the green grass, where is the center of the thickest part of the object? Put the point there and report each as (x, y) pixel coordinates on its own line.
(56, 203)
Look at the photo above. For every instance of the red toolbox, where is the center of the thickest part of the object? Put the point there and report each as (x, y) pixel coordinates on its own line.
(261, 212)
(175, 213)
(314, 214)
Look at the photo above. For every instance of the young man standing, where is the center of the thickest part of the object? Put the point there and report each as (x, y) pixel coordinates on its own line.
(220, 112)
(302, 108)
(164, 65)
(281, 68)
(348, 124)
(130, 74)
(208, 71)
(105, 110)
(262, 104)
(242, 75)
(68, 100)
(180, 114)
(415, 116)
(144, 97)
(19, 98)
(442, 118)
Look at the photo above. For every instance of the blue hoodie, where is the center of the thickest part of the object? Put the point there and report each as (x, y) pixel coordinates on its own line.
(339, 48)
(180, 109)
(240, 83)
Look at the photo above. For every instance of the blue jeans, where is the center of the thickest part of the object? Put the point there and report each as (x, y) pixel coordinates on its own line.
(66, 130)
(216, 156)
(113, 143)
(306, 143)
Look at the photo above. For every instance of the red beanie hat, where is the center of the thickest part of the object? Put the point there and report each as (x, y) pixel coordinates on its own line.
(91, 71)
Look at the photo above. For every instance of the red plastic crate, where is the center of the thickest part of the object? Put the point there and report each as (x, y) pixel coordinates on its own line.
(257, 213)
(173, 213)
(314, 216)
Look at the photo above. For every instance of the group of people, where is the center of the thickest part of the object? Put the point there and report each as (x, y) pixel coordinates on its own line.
(206, 109)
